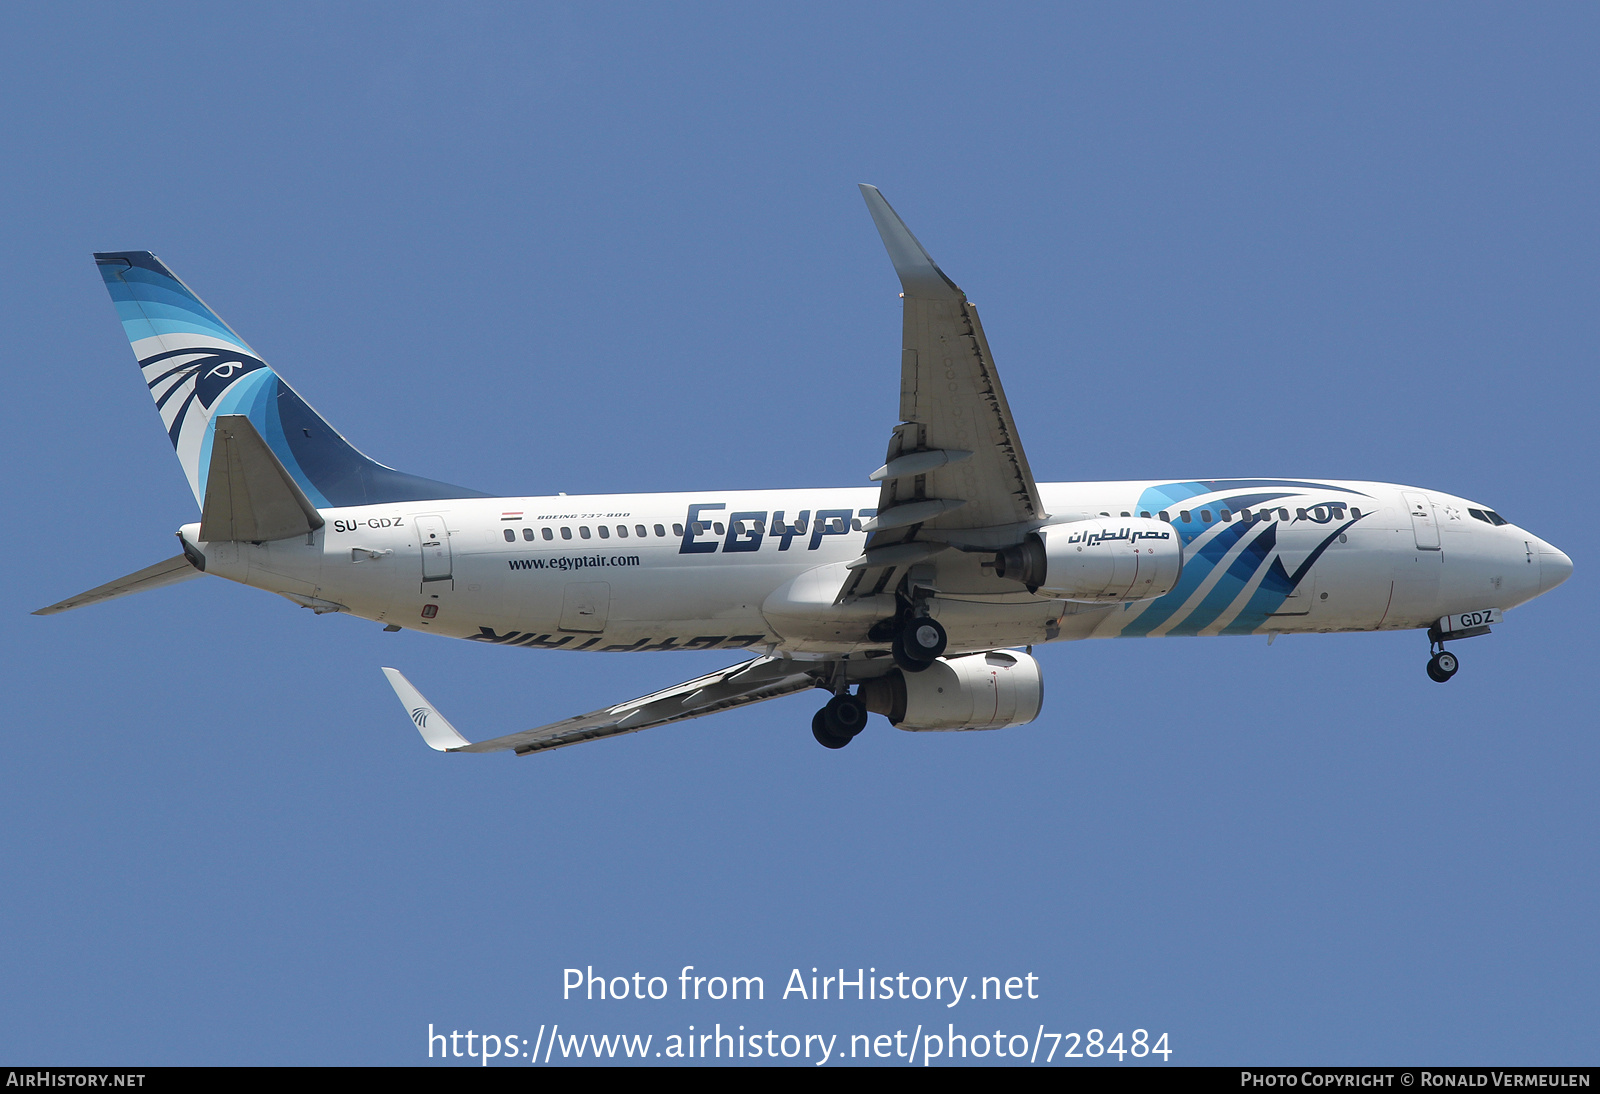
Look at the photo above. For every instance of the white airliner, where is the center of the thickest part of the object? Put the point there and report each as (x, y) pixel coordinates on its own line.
(909, 598)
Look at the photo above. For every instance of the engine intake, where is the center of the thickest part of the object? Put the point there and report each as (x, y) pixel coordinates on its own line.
(990, 690)
(1098, 561)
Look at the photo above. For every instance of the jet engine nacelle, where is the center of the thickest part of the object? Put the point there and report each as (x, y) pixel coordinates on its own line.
(1100, 561)
(990, 690)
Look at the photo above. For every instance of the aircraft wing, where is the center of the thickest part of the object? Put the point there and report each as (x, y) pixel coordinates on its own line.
(955, 470)
(739, 685)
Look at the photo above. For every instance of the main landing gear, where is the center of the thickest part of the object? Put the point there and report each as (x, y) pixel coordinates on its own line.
(918, 643)
(1442, 666)
(837, 724)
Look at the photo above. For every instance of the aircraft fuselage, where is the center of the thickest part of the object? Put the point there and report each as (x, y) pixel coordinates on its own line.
(758, 569)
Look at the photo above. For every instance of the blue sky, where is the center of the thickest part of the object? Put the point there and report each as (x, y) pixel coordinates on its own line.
(592, 248)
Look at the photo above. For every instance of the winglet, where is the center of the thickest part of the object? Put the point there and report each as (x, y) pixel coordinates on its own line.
(435, 729)
(920, 276)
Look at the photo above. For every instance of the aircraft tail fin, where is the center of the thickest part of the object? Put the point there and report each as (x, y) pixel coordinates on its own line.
(197, 368)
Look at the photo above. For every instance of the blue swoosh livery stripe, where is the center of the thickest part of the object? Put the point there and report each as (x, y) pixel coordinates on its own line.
(1276, 583)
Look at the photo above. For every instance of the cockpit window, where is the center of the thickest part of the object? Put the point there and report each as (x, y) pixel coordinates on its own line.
(1495, 518)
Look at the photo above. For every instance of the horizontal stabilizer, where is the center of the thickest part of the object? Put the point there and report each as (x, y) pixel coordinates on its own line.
(748, 682)
(250, 496)
(170, 572)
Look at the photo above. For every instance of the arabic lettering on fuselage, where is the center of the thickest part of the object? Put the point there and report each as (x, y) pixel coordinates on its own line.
(1126, 535)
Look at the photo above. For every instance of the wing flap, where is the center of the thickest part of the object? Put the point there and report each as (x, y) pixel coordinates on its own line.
(960, 405)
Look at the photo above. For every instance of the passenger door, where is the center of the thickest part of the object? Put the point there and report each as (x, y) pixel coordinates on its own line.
(1424, 525)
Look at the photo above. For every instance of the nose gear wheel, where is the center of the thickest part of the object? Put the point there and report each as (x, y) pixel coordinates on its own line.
(1442, 666)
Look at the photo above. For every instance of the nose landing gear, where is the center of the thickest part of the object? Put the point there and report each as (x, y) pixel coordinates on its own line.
(837, 724)
(1442, 666)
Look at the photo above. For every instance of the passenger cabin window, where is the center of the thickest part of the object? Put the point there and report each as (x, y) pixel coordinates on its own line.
(1126, 514)
(1183, 515)
(1355, 514)
(546, 533)
(1337, 511)
(1205, 516)
(566, 533)
(661, 532)
(527, 534)
(1283, 514)
(583, 530)
(677, 529)
(855, 524)
(716, 526)
(641, 531)
(511, 536)
(1300, 513)
(622, 531)
(1227, 516)
(1319, 514)
(605, 533)
(1145, 513)
(1165, 516)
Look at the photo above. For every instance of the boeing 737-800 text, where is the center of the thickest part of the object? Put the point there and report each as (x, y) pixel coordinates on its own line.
(909, 599)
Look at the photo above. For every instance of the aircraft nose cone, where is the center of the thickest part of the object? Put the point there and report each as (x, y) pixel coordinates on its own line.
(1554, 567)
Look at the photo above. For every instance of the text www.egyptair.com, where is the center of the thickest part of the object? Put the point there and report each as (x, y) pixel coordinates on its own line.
(563, 563)
(551, 1045)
